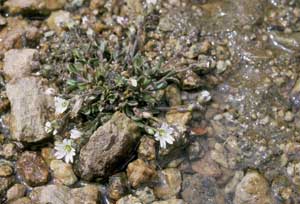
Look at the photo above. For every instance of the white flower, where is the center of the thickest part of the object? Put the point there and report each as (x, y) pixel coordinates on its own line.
(75, 133)
(164, 135)
(65, 150)
(61, 105)
(48, 127)
(151, 2)
(133, 82)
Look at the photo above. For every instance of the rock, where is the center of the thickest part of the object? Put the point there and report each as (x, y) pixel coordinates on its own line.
(190, 80)
(63, 172)
(59, 20)
(24, 200)
(129, 200)
(48, 155)
(16, 32)
(171, 201)
(33, 6)
(59, 194)
(197, 49)
(201, 190)
(231, 185)
(118, 186)
(173, 95)
(146, 149)
(139, 172)
(15, 192)
(86, 194)
(109, 147)
(207, 167)
(252, 189)
(169, 184)
(9, 151)
(178, 119)
(146, 195)
(32, 169)
(28, 108)
(5, 168)
(20, 62)
(96, 4)
(5, 183)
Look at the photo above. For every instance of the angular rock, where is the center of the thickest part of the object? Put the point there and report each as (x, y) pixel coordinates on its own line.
(59, 194)
(146, 149)
(139, 172)
(6, 168)
(28, 108)
(20, 62)
(109, 147)
(253, 189)
(169, 185)
(63, 172)
(15, 32)
(37, 6)
(9, 151)
(32, 169)
(15, 192)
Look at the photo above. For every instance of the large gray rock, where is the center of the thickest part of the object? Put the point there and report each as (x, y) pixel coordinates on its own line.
(109, 147)
(59, 194)
(20, 62)
(29, 106)
(253, 189)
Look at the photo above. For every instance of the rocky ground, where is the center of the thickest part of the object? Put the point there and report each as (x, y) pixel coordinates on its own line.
(88, 86)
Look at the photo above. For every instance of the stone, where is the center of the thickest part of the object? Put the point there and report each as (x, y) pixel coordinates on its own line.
(20, 62)
(252, 189)
(59, 20)
(169, 183)
(5, 168)
(170, 201)
(231, 185)
(48, 154)
(109, 147)
(15, 192)
(33, 6)
(96, 4)
(173, 95)
(190, 80)
(8, 151)
(118, 186)
(197, 49)
(146, 195)
(24, 200)
(29, 106)
(207, 167)
(179, 119)
(201, 190)
(59, 194)
(130, 199)
(5, 183)
(16, 32)
(63, 172)
(138, 172)
(32, 169)
(146, 149)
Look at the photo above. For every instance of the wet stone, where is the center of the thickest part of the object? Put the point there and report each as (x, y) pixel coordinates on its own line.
(139, 172)
(118, 186)
(15, 192)
(169, 183)
(63, 172)
(32, 169)
(146, 195)
(6, 168)
(252, 189)
(130, 199)
(201, 190)
(207, 167)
